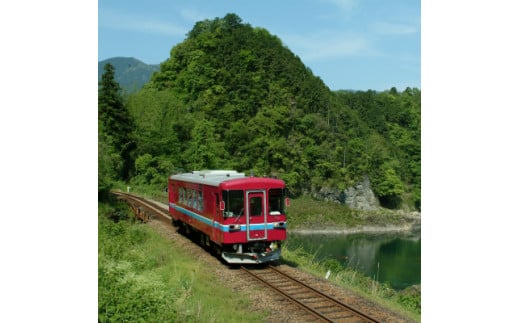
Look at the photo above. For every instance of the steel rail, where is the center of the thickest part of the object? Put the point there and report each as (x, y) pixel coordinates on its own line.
(297, 302)
(308, 288)
(335, 301)
(146, 204)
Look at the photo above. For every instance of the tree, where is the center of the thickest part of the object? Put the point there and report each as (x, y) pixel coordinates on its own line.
(109, 163)
(204, 148)
(116, 120)
(390, 188)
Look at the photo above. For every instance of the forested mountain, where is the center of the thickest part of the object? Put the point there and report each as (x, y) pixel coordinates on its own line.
(232, 96)
(130, 73)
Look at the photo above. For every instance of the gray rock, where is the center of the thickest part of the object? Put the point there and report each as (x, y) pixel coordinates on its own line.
(359, 196)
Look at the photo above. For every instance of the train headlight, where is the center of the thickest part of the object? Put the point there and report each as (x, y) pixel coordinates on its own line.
(234, 227)
(279, 225)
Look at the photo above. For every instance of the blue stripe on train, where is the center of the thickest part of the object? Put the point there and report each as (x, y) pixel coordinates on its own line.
(218, 225)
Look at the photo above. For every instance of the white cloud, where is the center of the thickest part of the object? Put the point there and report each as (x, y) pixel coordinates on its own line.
(193, 15)
(140, 24)
(328, 45)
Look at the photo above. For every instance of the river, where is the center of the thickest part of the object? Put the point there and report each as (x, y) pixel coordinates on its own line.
(391, 258)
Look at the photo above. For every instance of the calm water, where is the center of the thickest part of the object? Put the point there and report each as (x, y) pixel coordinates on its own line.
(395, 259)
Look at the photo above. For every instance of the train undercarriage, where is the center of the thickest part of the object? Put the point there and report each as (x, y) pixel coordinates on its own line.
(253, 252)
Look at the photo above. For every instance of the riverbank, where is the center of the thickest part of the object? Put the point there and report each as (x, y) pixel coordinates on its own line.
(411, 224)
(408, 228)
(307, 215)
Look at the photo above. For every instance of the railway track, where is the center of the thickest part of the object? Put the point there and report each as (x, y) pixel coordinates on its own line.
(317, 304)
(144, 209)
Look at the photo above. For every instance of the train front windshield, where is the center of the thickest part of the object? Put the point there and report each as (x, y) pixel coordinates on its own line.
(234, 200)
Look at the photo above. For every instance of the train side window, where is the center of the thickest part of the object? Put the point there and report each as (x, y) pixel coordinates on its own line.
(194, 201)
(201, 202)
(181, 195)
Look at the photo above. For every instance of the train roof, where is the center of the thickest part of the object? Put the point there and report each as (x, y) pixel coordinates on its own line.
(217, 177)
(208, 177)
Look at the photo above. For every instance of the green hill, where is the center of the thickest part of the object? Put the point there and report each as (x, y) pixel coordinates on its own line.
(131, 74)
(232, 96)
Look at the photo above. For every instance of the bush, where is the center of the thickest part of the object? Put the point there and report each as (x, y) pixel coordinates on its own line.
(125, 296)
(412, 302)
(128, 289)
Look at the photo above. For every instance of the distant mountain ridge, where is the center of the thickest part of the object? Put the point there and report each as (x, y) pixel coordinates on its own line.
(131, 74)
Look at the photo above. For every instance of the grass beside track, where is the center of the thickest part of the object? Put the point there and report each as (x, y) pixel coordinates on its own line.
(142, 277)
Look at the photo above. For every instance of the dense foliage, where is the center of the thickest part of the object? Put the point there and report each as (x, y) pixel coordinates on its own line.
(233, 96)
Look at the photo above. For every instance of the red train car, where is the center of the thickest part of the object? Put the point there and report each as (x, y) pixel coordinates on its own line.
(242, 218)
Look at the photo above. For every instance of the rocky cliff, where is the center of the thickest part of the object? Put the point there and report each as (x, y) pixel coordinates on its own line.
(359, 196)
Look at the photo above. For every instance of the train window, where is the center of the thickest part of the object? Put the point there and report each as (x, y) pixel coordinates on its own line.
(234, 203)
(181, 195)
(201, 204)
(195, 202)
(276, 201)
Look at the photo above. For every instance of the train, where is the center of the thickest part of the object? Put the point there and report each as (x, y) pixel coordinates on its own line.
(242, 218)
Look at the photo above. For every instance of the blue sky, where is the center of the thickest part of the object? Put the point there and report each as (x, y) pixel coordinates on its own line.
(349, 44)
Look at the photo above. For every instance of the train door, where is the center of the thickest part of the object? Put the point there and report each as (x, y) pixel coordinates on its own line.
(256, 215)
